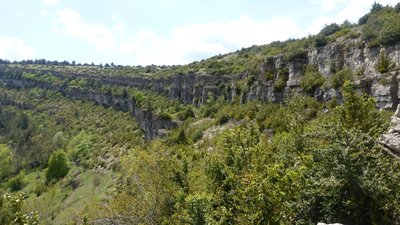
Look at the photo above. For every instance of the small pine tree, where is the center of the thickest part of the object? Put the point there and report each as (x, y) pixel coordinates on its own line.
(384, 64)
(58, 166)
(181, 139)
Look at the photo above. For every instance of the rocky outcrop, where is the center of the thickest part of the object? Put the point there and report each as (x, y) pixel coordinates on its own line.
(196, 88)
(391, 139)
(152, 125)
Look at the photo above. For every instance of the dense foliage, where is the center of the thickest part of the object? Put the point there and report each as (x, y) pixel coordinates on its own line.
(58, 166)
(238, 162)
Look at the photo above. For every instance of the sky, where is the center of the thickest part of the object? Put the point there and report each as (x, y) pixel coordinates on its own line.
(161, 32)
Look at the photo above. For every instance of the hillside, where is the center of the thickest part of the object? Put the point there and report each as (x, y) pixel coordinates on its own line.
(285, 133)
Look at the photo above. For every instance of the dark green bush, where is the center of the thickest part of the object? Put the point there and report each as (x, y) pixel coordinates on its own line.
(269, 76)
(17, 183)
(320, 41)
(384, 64)
(185, 114)
(223, 119)
(280, 84)
(382, 27)
(330, 29)
(58, 166)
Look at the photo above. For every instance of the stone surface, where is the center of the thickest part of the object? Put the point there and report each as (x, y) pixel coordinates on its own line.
(149, 122)
(391, 139)
(197, 88)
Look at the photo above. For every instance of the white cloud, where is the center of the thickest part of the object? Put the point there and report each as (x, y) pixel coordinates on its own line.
(207, 39)
(13, 48)
(50, 2)
(328, 5)
(69, 22)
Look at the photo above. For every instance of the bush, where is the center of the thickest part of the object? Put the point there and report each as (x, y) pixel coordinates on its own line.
(280, 84)
(382, 27)
(164, 116)
(312, 80)
(390, 32)
(320, 41)
(329, 29)
(223, 119)
(383, 65)
(17, 183)
(269, 76)
(40, 188)
(363, 20)
(341, 76)
(185, 114)
(58, 166)
(12, 210)
(6, 167)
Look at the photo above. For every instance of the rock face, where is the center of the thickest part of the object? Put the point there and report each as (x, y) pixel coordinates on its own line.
(351, 53)
(196, 89)
(391, 139)
(152, 125)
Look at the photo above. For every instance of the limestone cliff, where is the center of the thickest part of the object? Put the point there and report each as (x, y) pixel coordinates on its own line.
(196, 88)
(152, 125)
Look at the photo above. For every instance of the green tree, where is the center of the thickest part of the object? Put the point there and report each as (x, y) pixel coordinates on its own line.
(6, 167)
(384, 64)
(359, 112)
(80, 147)
(59, 140)
(58, 166)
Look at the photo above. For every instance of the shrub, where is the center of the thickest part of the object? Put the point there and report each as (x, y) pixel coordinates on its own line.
(363, 20)
(6, 167)
(223, 119)
(320, 41)
(185, 114)
(164, 116)
(383, 65)
(382, 27)
(40, 188)
(341, 76)
(12, 210)
(58, 166)
(312, 80)
(280, 84)
(17, 183)
(329, 29)
(269, 76)
(390, 32)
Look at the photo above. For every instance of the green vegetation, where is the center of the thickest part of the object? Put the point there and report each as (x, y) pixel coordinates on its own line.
(11, 210)
(384, 64)
(6, 167)
(381, 26)
(68, 161)
(58, 166)
(312, 80)
(341, 76)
